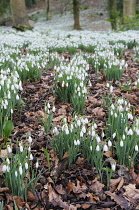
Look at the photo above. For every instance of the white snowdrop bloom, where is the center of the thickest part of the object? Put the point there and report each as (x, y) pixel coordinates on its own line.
(113, 167)
(102, 134)
(11, 111)
(126, 129)
(93, 134)
(30, 139)
(81, 84)
(8, 169)
(97, 148)
(78, 122)
(91, 148)
(37, 164)
(29, 148)
(113, 135)
(63, 83)
(83, 129)
(7, 161)
(78, 142)
(130, 116)
(95, 125)
(66, 131)
(130, 132)
(48, 111)
(121, 143)
(111, 89)
(78, 88)
(67, 84)
(112, 106)
(20, 169)
(136, 148)
(126, 65)
(30, 157)
(123, 136)
(86, 120)
(97, 139)
(105, 148)
(48, 105)
(81, 134)
(135, 83)
(111, 113)
(79, 94)
(107, 85)
(16, 174)
(75, 142)
(53, 109)
(137, 131)
(109, 143)
(64, 120)
(21, 148)
(26, 165)
(9, 149)
(115, 115)
(4, 168)
(17, 97)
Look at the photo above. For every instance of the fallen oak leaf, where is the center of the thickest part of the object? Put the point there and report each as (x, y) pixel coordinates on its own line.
(55, 199)
(115, 184)
(19, 201)
(119, 200)
(131, 193)
(4, 189)
(60, 190)
(96, 186)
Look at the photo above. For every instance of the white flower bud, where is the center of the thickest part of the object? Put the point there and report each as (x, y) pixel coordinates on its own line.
(21, 148)
(4, 168)
(9, 149)
(97, 148)
(26, 165)
(121, 143)
(136, 148)
(113, 135)
(37, 164)
(81, 134)
(113, 167)
(16, 174)
(109, 143)
(105, 148)
(20, 169)
(91, 147)
(29, 139)
(53, 109)
(31, 157)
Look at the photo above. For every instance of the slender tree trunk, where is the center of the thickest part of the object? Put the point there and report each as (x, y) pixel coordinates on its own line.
(47, 9)
(19, 13)
(129, 7)
(76, 13)
(112, 5)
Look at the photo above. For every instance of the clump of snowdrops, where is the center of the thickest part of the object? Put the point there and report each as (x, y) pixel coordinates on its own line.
(70, 82)
(48, 116)
(18, 172)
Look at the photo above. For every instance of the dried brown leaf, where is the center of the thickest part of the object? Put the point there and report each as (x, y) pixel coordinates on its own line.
(57, 119)
(96, 186)
(19, 201)
(30, 196)
(55, 199)
(114, 183)
(99, 112)
(118, 199)
(131, 193)
(85, 205)
(60, 190)
(4, 189)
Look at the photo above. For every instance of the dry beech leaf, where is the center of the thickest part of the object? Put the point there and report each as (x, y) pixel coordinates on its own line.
(131, 193)
(62, 111)
(55, 199)
(19, 201)
(60, 190)
(114, 183)
(99, 112)
(92, 197)
(85, 205)
(30, 196)
(118, 199)
(96, 186)
(4, 189)
(70, 187)
(40, 113)
(57, 119)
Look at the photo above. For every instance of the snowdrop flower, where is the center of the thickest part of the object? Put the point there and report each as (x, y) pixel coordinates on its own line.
(102, 134)
(17, 97)
(130, 132)
(37, 164)
(55, 131)
(78, 142)
(93, 134)
(137, 131)
(107, 85)
(66, 131)
(97, 139)
(26, 165)
(111, 89)
(97, 148)
(81, 134)
(9, 149)
(11, 111)
(21, 148)
(123, 136)
(113, 135)
(53, 109)
(121, 143)
(16, 174)
(115, 115)
(109, 143)
(78, 122)
(20, 169)
(83, 129)
(48, 105)
(113, 167)
(105, 148)
(29, 148)
(130, 116)
(7, 161)
(112, 106)
(136, 148)
(29, 139)
(30, 157)
(91, 147)
(4, 168)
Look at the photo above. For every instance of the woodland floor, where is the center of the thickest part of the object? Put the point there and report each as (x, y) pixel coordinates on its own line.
(77, 187)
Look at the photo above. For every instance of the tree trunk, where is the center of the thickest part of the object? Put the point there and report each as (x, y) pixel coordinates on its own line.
(76, 11)
(47, 9)
(129, 7)
(112, 5)
(19, 13)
